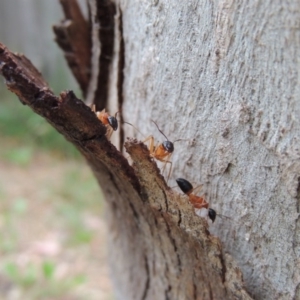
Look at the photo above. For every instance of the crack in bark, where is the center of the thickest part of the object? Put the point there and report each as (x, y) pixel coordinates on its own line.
(120, 80)
(298, 196)
(165, 199)
(211, 295)
(167, 291)
(297, 292)
(135, 214)
(147, 283)
(166, 270)
(223, 271)
(106, 11)
(194, 288)
(173, 242)
(179, 218)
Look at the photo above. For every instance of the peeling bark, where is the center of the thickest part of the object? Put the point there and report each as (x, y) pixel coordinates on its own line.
(102, 34)
(73, 36)
(225, 74)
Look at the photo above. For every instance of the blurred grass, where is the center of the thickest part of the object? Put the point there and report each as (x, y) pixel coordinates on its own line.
(21, 123)
(66, 202)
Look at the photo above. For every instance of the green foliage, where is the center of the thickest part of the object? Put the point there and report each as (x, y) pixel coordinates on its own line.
(74, 201)
(20, 156)
(25, 277)
(40, 287)
(19, 122)
(63, 205)
(48, 269)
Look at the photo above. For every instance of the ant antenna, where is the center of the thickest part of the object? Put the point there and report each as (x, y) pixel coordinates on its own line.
(210, 210)
(133, 127)
(224, 217)
(180, 140)
(160, 130)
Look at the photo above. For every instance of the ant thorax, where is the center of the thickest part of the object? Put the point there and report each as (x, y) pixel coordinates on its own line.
(160, 152)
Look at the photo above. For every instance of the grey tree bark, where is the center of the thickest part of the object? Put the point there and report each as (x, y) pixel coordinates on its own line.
(224, 76)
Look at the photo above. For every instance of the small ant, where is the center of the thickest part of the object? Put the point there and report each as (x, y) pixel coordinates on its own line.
(161, 152)
(197, 202)
(106, 119)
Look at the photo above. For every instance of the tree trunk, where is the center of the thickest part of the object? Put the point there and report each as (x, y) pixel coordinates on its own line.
(223, 76)
(225, 73)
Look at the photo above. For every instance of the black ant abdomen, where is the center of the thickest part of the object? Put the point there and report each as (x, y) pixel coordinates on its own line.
(184, 185)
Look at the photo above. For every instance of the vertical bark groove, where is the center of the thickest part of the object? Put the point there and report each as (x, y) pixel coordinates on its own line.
(147, 283)
(106, 11)
(120, 72)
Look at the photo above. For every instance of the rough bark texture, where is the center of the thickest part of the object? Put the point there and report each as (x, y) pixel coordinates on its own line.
(168, 249)
(225, 76)
(73, 36)
(226, 73)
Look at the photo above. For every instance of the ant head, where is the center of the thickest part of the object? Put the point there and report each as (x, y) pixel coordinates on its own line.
(168, 146)
(212, 214)
(184, 185)
(113, 122)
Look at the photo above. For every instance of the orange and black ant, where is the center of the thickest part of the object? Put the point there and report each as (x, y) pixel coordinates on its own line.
(162, 151)
(106, 119)
(196, 201)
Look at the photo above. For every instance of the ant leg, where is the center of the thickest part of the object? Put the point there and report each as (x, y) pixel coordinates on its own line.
(109, 132)
(196, 189)
(98, 114)
(165, 164)
(201, 205)
(167, 160)
(151, 144)
(170, 171)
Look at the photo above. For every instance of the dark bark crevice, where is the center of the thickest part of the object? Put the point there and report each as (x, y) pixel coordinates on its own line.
(147, 283)
(120, 79)
(106, 11)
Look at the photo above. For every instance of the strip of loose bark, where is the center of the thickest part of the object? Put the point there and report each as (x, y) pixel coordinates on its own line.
(102, 33)
(73, 37)
(159, 248)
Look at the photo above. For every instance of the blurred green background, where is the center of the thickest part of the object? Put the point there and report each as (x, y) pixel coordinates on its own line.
(52, 235)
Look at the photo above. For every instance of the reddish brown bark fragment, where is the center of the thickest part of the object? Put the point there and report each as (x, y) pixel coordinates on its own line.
(73, 37)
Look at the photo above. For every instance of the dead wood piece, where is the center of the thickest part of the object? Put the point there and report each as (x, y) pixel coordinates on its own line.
(159, 248)
(73, 36)
(69, 115)
(102, 35)
(180, 232)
